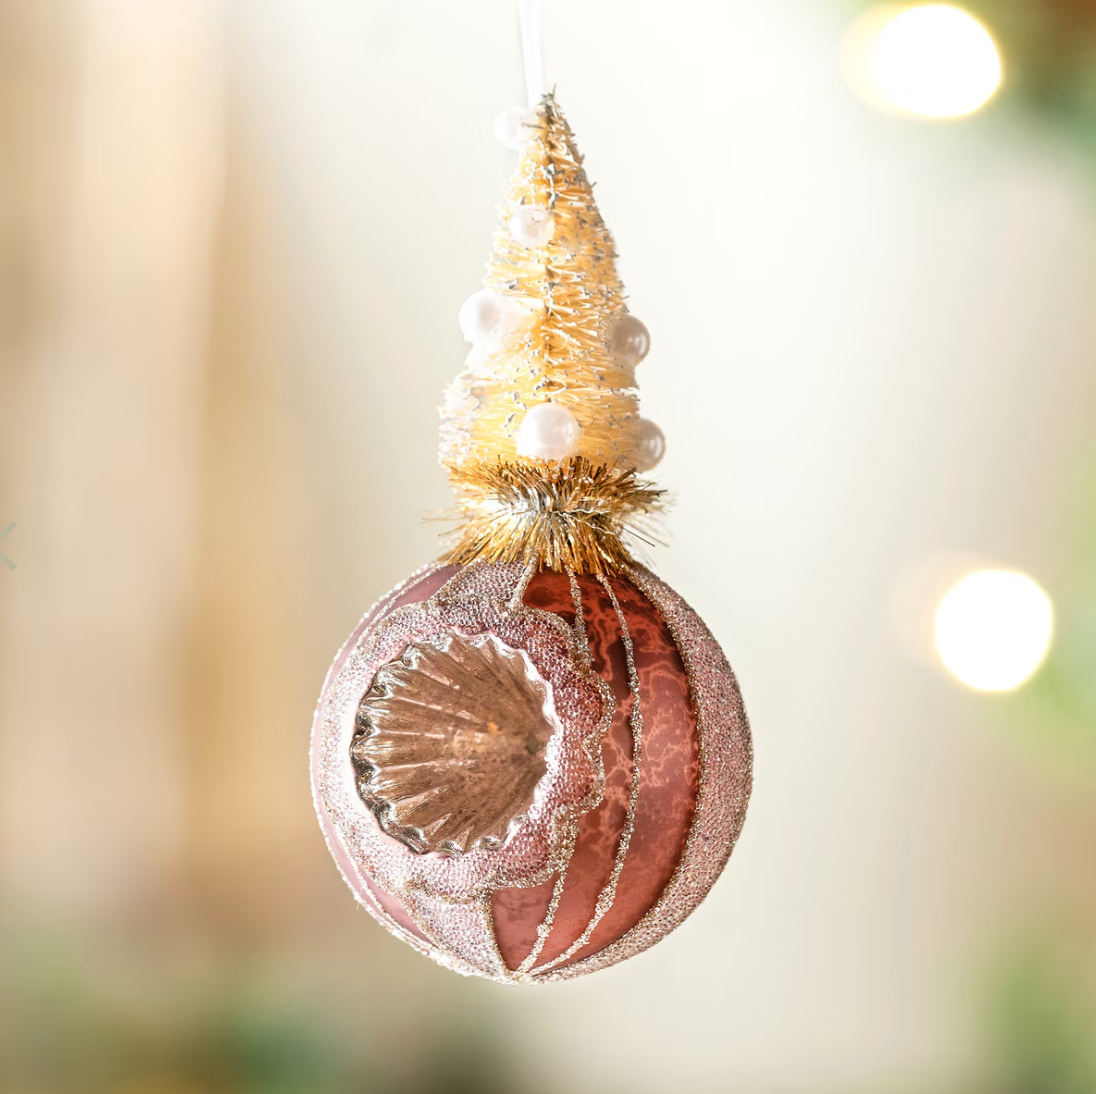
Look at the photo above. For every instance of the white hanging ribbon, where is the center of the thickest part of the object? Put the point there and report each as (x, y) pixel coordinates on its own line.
(532, 49)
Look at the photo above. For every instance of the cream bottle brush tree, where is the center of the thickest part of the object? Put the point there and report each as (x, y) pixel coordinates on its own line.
(541, 432)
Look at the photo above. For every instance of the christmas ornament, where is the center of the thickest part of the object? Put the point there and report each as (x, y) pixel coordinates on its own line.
(531, 760)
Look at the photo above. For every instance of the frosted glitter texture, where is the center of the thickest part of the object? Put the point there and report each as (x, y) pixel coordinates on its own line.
(560, 898)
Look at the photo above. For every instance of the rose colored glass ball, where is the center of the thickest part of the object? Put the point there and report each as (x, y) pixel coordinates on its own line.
(605, 857)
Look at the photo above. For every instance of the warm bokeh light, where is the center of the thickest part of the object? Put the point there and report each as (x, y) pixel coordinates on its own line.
(993, 629)
(930, 60)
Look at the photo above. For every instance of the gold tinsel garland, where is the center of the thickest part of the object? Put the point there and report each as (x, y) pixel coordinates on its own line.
(572, 515)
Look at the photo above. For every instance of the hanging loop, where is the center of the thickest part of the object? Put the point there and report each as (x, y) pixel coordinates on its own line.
(532, 49)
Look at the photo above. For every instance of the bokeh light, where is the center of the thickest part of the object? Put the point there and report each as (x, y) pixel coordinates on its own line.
(993, 629)
(929, 60)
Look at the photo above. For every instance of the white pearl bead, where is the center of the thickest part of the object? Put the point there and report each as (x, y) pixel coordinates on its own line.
(512, 127)
(532, 225)
(549, 432)
(488, 315)
(631, 340)
(650, 444)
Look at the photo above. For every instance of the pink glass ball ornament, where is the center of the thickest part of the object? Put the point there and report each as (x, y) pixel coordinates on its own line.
(530, 779)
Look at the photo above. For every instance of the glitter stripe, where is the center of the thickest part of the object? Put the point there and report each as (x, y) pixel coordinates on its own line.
(580, 621)
(545, 928)
(726, 760)
(480, 955)
(608, 894)
(522, 585)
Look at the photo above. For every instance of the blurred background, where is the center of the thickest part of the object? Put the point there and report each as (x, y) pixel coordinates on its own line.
(233, 241)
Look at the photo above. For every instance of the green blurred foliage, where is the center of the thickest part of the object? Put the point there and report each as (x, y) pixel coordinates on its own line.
(118, 1016)
(1055, 714)
(126, 1016)
(1041, 1014)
